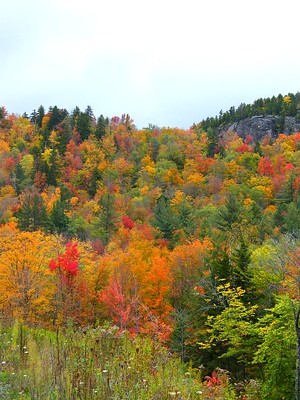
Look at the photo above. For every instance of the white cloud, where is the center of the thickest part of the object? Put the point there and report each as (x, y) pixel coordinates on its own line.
(166, 62)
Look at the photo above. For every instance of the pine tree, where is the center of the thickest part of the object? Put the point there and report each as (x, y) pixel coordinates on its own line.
(83, 125)
(39, 116)
(230, 214)
(107, 216)
(100, 127)
(221, 266)
(213, 141)
(241, 275)
(58, 220)
(164, 219)
(52, 171)
(32, 214)
(19, 177)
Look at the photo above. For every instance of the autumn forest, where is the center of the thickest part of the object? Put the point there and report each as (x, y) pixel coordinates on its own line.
(174, 253)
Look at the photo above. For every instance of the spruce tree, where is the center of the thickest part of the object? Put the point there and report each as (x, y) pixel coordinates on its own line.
(58, 220)
(32, 214)
(164, 218)
(100, 127)
(229, 214)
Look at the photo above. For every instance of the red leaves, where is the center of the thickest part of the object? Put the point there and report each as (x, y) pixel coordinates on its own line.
(67, 264)
(265, 167)
(128, 223)
(212, 381)
(244, 148)
(114, 298)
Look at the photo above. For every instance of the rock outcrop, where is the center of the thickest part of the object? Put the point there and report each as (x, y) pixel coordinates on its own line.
(262, 126)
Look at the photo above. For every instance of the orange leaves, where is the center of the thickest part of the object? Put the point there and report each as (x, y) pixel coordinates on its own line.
(140, 283)
(187, 262)
(156, 286)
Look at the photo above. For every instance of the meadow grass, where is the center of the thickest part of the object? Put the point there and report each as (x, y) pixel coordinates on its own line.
(92, 363)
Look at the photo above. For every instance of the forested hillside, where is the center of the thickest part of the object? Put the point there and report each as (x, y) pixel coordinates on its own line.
(178, 236)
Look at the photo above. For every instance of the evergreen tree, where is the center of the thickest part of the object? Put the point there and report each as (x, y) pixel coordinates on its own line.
(292, 218)
(32, 214)
(56, 116)
(100, 127)
(241, 275)
(186, 218)
(107, 216)
(279, 215)
(19, 178)
(213, 141)
(94, 182)
(221, 266)
(287, 193)
(58, 220)
(40, 115)
(164, 218)
(52, 171)
(83, 125)
(229, 214)
(33, 117)
(74, 116)
(64, 135)
(256, 213)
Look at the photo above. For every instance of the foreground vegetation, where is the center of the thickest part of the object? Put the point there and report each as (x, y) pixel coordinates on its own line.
(97, 363)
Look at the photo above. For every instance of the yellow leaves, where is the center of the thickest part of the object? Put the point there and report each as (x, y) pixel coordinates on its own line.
(147, 161)
(197, 178)
(4, 147)
(7, 191)
(24, 262)
(172, 175)
(46, 155)
(177, 199)
(287, 99)
(266, 190)
(232, 168)
(271, 209)
(144, 190)
(248, 203)
(263, 183)
(50, 198)
(27, 163)
(53, 138)
(150, 169)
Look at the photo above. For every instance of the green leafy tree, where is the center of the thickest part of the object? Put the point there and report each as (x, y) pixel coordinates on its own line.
(277, 352)
(233, 330)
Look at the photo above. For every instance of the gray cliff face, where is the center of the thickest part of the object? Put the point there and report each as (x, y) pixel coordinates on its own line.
(262, 126)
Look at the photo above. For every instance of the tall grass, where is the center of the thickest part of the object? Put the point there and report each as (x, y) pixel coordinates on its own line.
(93, 363)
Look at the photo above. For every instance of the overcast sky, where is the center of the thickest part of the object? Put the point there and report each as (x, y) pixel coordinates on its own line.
(165, 62)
